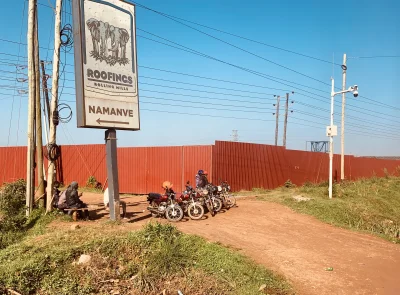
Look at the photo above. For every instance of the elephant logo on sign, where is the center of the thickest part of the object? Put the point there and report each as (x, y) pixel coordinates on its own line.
(101, 32)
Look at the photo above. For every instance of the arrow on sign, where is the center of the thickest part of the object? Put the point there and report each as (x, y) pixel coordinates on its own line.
(115, 122)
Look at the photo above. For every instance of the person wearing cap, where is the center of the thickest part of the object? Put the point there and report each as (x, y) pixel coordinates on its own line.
(201, 179)
(106, 200)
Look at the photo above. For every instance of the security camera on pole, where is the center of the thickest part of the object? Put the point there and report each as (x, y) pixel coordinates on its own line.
(331, 130)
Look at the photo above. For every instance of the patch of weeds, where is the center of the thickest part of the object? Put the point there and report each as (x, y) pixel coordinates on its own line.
(371, 205)
(144, 262)
(289, 184)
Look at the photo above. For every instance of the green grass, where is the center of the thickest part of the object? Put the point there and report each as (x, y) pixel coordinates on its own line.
(148, 261)
(371, 205)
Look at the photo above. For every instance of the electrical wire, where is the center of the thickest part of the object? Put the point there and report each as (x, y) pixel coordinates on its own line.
(13, 99)
(64, 119)
(246, 51)
(195, 52)
(253, 72)
(238, 36)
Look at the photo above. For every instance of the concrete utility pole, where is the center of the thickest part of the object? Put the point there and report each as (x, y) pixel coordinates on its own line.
(54, 100)
(331, 142)
(344, 67)
(38, 119)
(235, 136)
(31, 107)
(286, 116)
(277, 119)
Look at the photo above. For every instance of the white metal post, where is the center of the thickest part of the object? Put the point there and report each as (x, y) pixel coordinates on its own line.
(331, 140)
(343, 111)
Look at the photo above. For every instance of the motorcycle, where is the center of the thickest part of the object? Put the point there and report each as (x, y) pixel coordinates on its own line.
(191, 203)
(165, 205)
(224, 192)
(211, 202)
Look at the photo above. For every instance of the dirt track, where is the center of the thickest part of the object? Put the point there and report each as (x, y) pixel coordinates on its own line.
(297, 246)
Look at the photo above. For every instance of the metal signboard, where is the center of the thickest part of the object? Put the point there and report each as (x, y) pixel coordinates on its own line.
(106, 77)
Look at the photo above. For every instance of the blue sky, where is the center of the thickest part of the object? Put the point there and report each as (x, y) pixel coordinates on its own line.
(174, 116)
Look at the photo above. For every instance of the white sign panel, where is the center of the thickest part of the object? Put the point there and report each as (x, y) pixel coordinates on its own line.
(106, 64)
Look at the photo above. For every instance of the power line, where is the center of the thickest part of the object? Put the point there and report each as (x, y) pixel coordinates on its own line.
(246, 51)
(219, 93)
(378, 103)
(187, 49)
(349, 124)
(224, 32)
(353, 107)
(208, 86)
(352, 131)
(13, 98)
(250, 71)
(348, 116)
(376, 56)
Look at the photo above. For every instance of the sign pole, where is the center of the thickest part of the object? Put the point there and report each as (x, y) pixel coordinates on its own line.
(112, 173)
(106, 76)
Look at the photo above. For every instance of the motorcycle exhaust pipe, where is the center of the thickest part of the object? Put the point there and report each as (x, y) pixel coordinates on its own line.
(153, 210)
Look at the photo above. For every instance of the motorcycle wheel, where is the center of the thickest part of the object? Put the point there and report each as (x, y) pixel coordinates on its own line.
(174, 214)
(154, 205)
(210, 207)
(217, 203)
(231, 200)
(195, 211)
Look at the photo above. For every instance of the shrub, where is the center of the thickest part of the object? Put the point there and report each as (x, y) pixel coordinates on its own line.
(93, 183)
(289, 184)
(12, 205)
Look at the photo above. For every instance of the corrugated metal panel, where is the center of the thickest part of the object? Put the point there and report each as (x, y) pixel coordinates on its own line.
(195, 158)
(246, 165)
(132, 169)
(13, 163)
(164, 163)
(79, 162)
(243, 165)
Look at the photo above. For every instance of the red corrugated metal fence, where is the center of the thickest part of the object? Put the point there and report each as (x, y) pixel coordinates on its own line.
(243, 165)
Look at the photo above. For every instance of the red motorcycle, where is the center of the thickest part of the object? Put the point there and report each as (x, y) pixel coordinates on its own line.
(192, 203)
(165, 205)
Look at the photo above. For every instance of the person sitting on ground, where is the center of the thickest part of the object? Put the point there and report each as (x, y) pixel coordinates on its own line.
(106, 200)
(73, 198)
(62, 200)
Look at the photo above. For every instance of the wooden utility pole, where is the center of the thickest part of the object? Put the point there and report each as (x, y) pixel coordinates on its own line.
(31, 105)
(38, 118)
(286, 116)
(277, 119)
(344, 67)
(54, 100)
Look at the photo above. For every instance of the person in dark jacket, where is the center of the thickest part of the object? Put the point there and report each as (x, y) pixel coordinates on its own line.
(73, 198)
(201, 179)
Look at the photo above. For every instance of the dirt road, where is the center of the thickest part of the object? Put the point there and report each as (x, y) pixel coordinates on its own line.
(301, 248)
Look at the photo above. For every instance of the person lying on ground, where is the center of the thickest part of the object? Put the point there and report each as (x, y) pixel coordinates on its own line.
(106, 201)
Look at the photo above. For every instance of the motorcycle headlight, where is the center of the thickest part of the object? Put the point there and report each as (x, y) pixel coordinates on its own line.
(229, 187)
(219, 188)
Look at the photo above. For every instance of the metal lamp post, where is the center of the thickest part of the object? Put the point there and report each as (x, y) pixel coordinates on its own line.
(331, 130)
